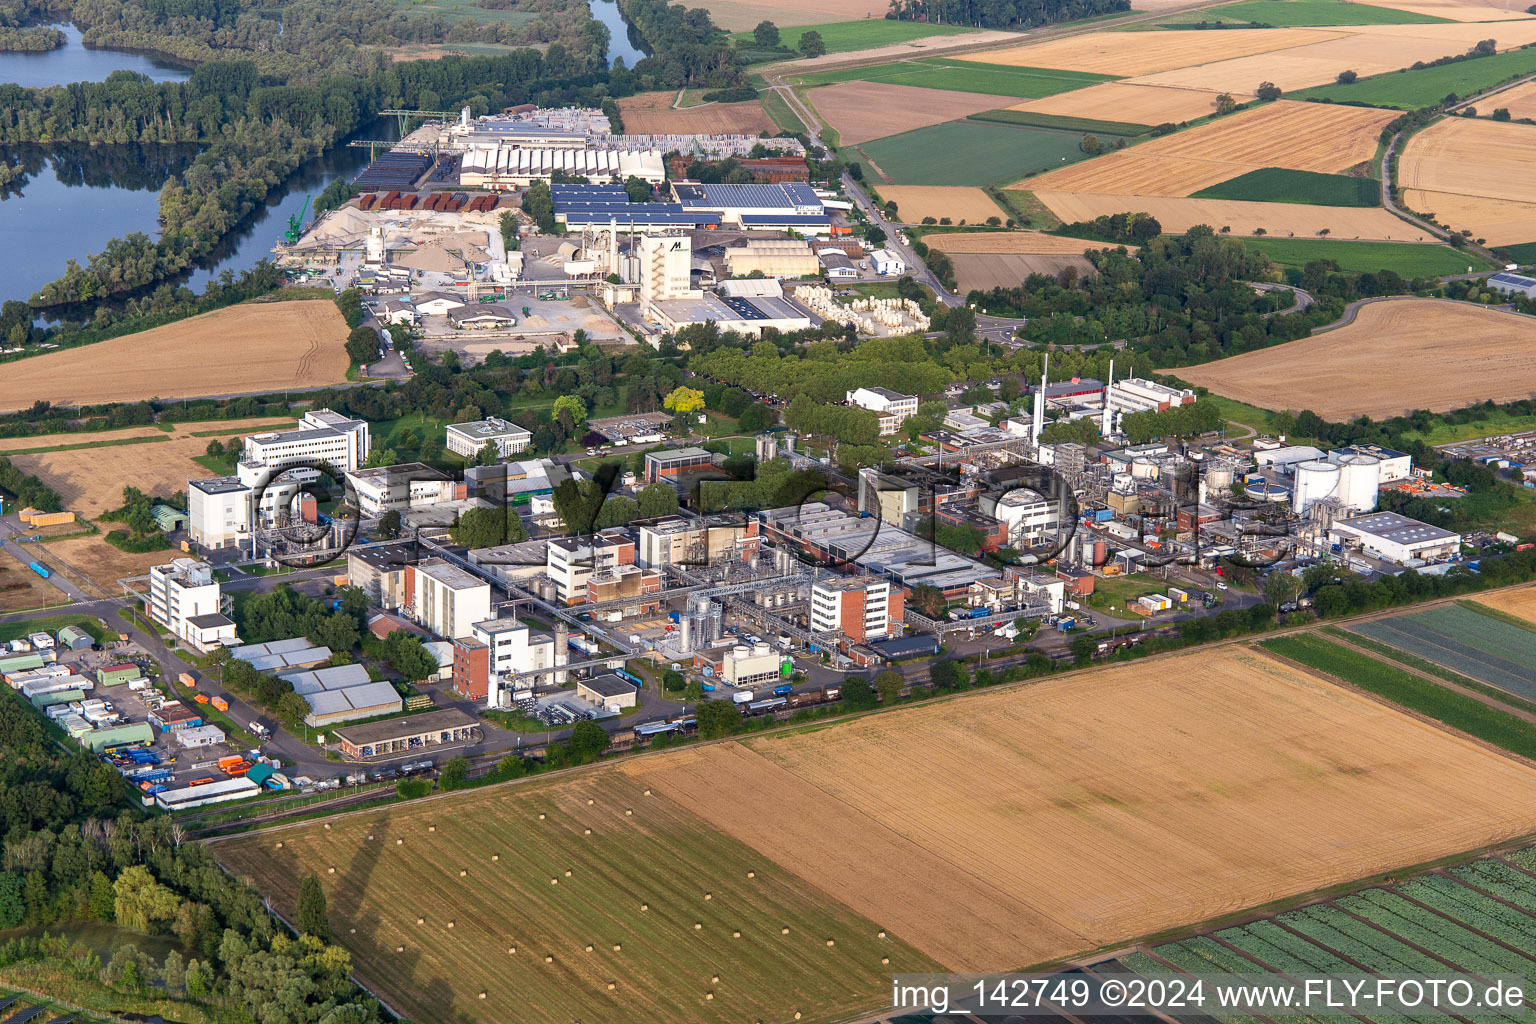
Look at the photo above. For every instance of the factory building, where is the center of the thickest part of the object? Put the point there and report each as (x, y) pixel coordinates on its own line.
(218, 512)
(342, 693)
(673, 462)
(772, 257)
(468, 439)
(1395, 538)
(745, 666)
(444, 598)
(711, 541)
(893, 407)
(496, 650)
(608, 692)
(861, 608)
(185, 599)
(573, 561)
(380, 572)
(1133, 394)
(1030, 516)
(382, 489)
(787, 205)
(1513, 284)
(412, 734)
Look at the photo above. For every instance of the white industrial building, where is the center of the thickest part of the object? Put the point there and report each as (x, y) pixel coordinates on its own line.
(608, 692)
(444, 598)
(384, 489)
(185, 599)
(467, 439)
(1395, 538)
(221, 510)
(750, 666)
(893, 407)
(861, 608)
(513, 646)
(1284, 457)
(887, 263)
(1134, 394)
(501, 153)
(342, 693)
(1031, 517)
(573, 561)
(1394, 465)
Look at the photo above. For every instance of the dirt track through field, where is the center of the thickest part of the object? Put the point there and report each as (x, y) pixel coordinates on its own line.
(1397, 356)
(255, 346)
(1016, 827)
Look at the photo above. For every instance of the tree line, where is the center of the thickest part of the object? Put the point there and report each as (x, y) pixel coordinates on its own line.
(1005, 14)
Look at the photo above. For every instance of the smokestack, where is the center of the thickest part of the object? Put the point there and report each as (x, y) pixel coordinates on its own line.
(562, 649)
(1106, 427)
(1039, 425)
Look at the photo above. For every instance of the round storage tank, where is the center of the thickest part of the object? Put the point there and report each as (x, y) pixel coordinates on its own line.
(1359, 481)
(1218, 477)
(1263, 490)
(1144, 467)
(1314, 480)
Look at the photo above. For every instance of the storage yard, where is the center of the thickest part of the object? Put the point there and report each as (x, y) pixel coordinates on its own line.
(861, 111)
(652, 113)
(587, 897)
(252, 347)
(1192, 775)
(1397, 356)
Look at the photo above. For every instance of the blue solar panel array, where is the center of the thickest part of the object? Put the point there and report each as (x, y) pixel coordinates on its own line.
(1512, 280)
(739, 197)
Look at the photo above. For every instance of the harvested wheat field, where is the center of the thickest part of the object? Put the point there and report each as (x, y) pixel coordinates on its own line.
(651, 113)
(1471, 157)
(960, 204)
(1453, 10)
(1398, 355)
(252, 347)
(1325, 138)
(101, 564)
(1244, 218)
(1136, 104)
(1520, 603)
(1024, 243)
(1497, 221)
(1520, 101)
(861, 111)
(985, 271)
(1015, 827)
(1144, 53)
(466, 906)
(21, 589)
(90, 480)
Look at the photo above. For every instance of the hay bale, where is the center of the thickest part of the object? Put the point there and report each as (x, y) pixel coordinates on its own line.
(279, 846)
(586, 832)
(628, 811)
(882, 935)
(327, 826)
(709, 896)
(567, 872)
(370, 837)
(709, 995)
(462, 873)
(617, 947)
(714, 979)
(589, 947)
(330, 871)
(645, 906)
(784, 931)
(512, 950)
(735, 935)
(399, 842)
(611, 986)
(548, 959)
(450, 925)
(831, 942)
(554, 881)
(541, 815)
(351, 931)
(590, 801)
(495, 857)
(421, 920)
(697, 925)
(647, 792)
(431, 828)
(482, 995)
(399, 949)
(885, 959)
(751, 874)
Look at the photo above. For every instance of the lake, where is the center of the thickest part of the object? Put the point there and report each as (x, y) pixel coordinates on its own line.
(622, 42)
(78, 197)
(72, 62)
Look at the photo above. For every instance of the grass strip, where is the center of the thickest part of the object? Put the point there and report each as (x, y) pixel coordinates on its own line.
(1063, 121)
(147, 439)
(1450, 675)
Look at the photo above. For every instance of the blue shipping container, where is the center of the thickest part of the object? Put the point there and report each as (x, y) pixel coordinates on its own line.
(980, 613)
(41, 569)
(707, 687)
(1103, 515)
(780, 691)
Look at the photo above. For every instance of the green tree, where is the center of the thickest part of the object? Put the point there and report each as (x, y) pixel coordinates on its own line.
(571, 407)
(858, 695)
(588, 741)
(948, 674)
(928, 600)
(693, 691)
(717, 718)
(389, 526)
(811, 44)
(141, 902)
(1091, 145)
(888, 684)
(362, 345)
(100, 904)
(199, 980)
(455, 775)
(638, 189)
(766, 35)
(215, 449)
(173, 972)
(874, 235)
(1346, 77)
(13, 910)
(1083, 647)
(1225, 104)
(656, 500)
(490, 454)
(673, 680)
(683, 400)
(1501, 113)
(1281, 588)
(1268, 91)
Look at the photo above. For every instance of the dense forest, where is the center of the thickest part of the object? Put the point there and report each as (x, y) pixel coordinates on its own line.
(1003, 13)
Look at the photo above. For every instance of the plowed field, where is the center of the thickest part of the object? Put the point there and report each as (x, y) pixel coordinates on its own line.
(861, 111)
(1499, 221)
(985, 271)
(1027, 243)
(651, 113)
(914, 202)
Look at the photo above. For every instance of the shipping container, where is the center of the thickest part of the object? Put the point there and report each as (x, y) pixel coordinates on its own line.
(41, 569)
(187, 679)
(221, 703)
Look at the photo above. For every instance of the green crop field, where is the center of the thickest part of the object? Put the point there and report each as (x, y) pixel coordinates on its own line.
(464, 10)
(962, 76)
(846, 36)
(1524, 252)
(1414, 692)
(971, 153)
(1464, 641)
(1061, 122)
(1406, 258)
(1299, 14)
(649, 916)
(1281, 185)
(1426, 87)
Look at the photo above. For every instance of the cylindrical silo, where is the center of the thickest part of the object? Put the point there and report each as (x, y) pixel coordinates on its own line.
(1218, 476)
(1359, 481)
(1315, 479)
(1144, 467)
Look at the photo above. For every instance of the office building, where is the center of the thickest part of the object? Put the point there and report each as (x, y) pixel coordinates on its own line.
(185, 599)
(469, 439)
(444, 598)
(893, 407)
(573, 561)
(384, 489)
(861, 608)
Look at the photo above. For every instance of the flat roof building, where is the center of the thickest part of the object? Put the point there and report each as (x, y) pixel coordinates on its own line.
(467, 439)
(1395, 538)
(444, 598)
(608, 692)
(414, 734)
(380, 489)
(676, 462)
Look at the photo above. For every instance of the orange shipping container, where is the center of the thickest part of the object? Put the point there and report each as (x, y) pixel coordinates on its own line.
(201, 698)
(53, 518)
(221, 703)
(187, 679)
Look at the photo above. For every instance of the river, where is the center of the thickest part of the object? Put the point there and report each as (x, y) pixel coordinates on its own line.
(622, 42)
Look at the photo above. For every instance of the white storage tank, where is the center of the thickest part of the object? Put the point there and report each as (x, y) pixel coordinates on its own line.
(1218, 476)
(1359, 481)
(1315, 479)
(1144, 467)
